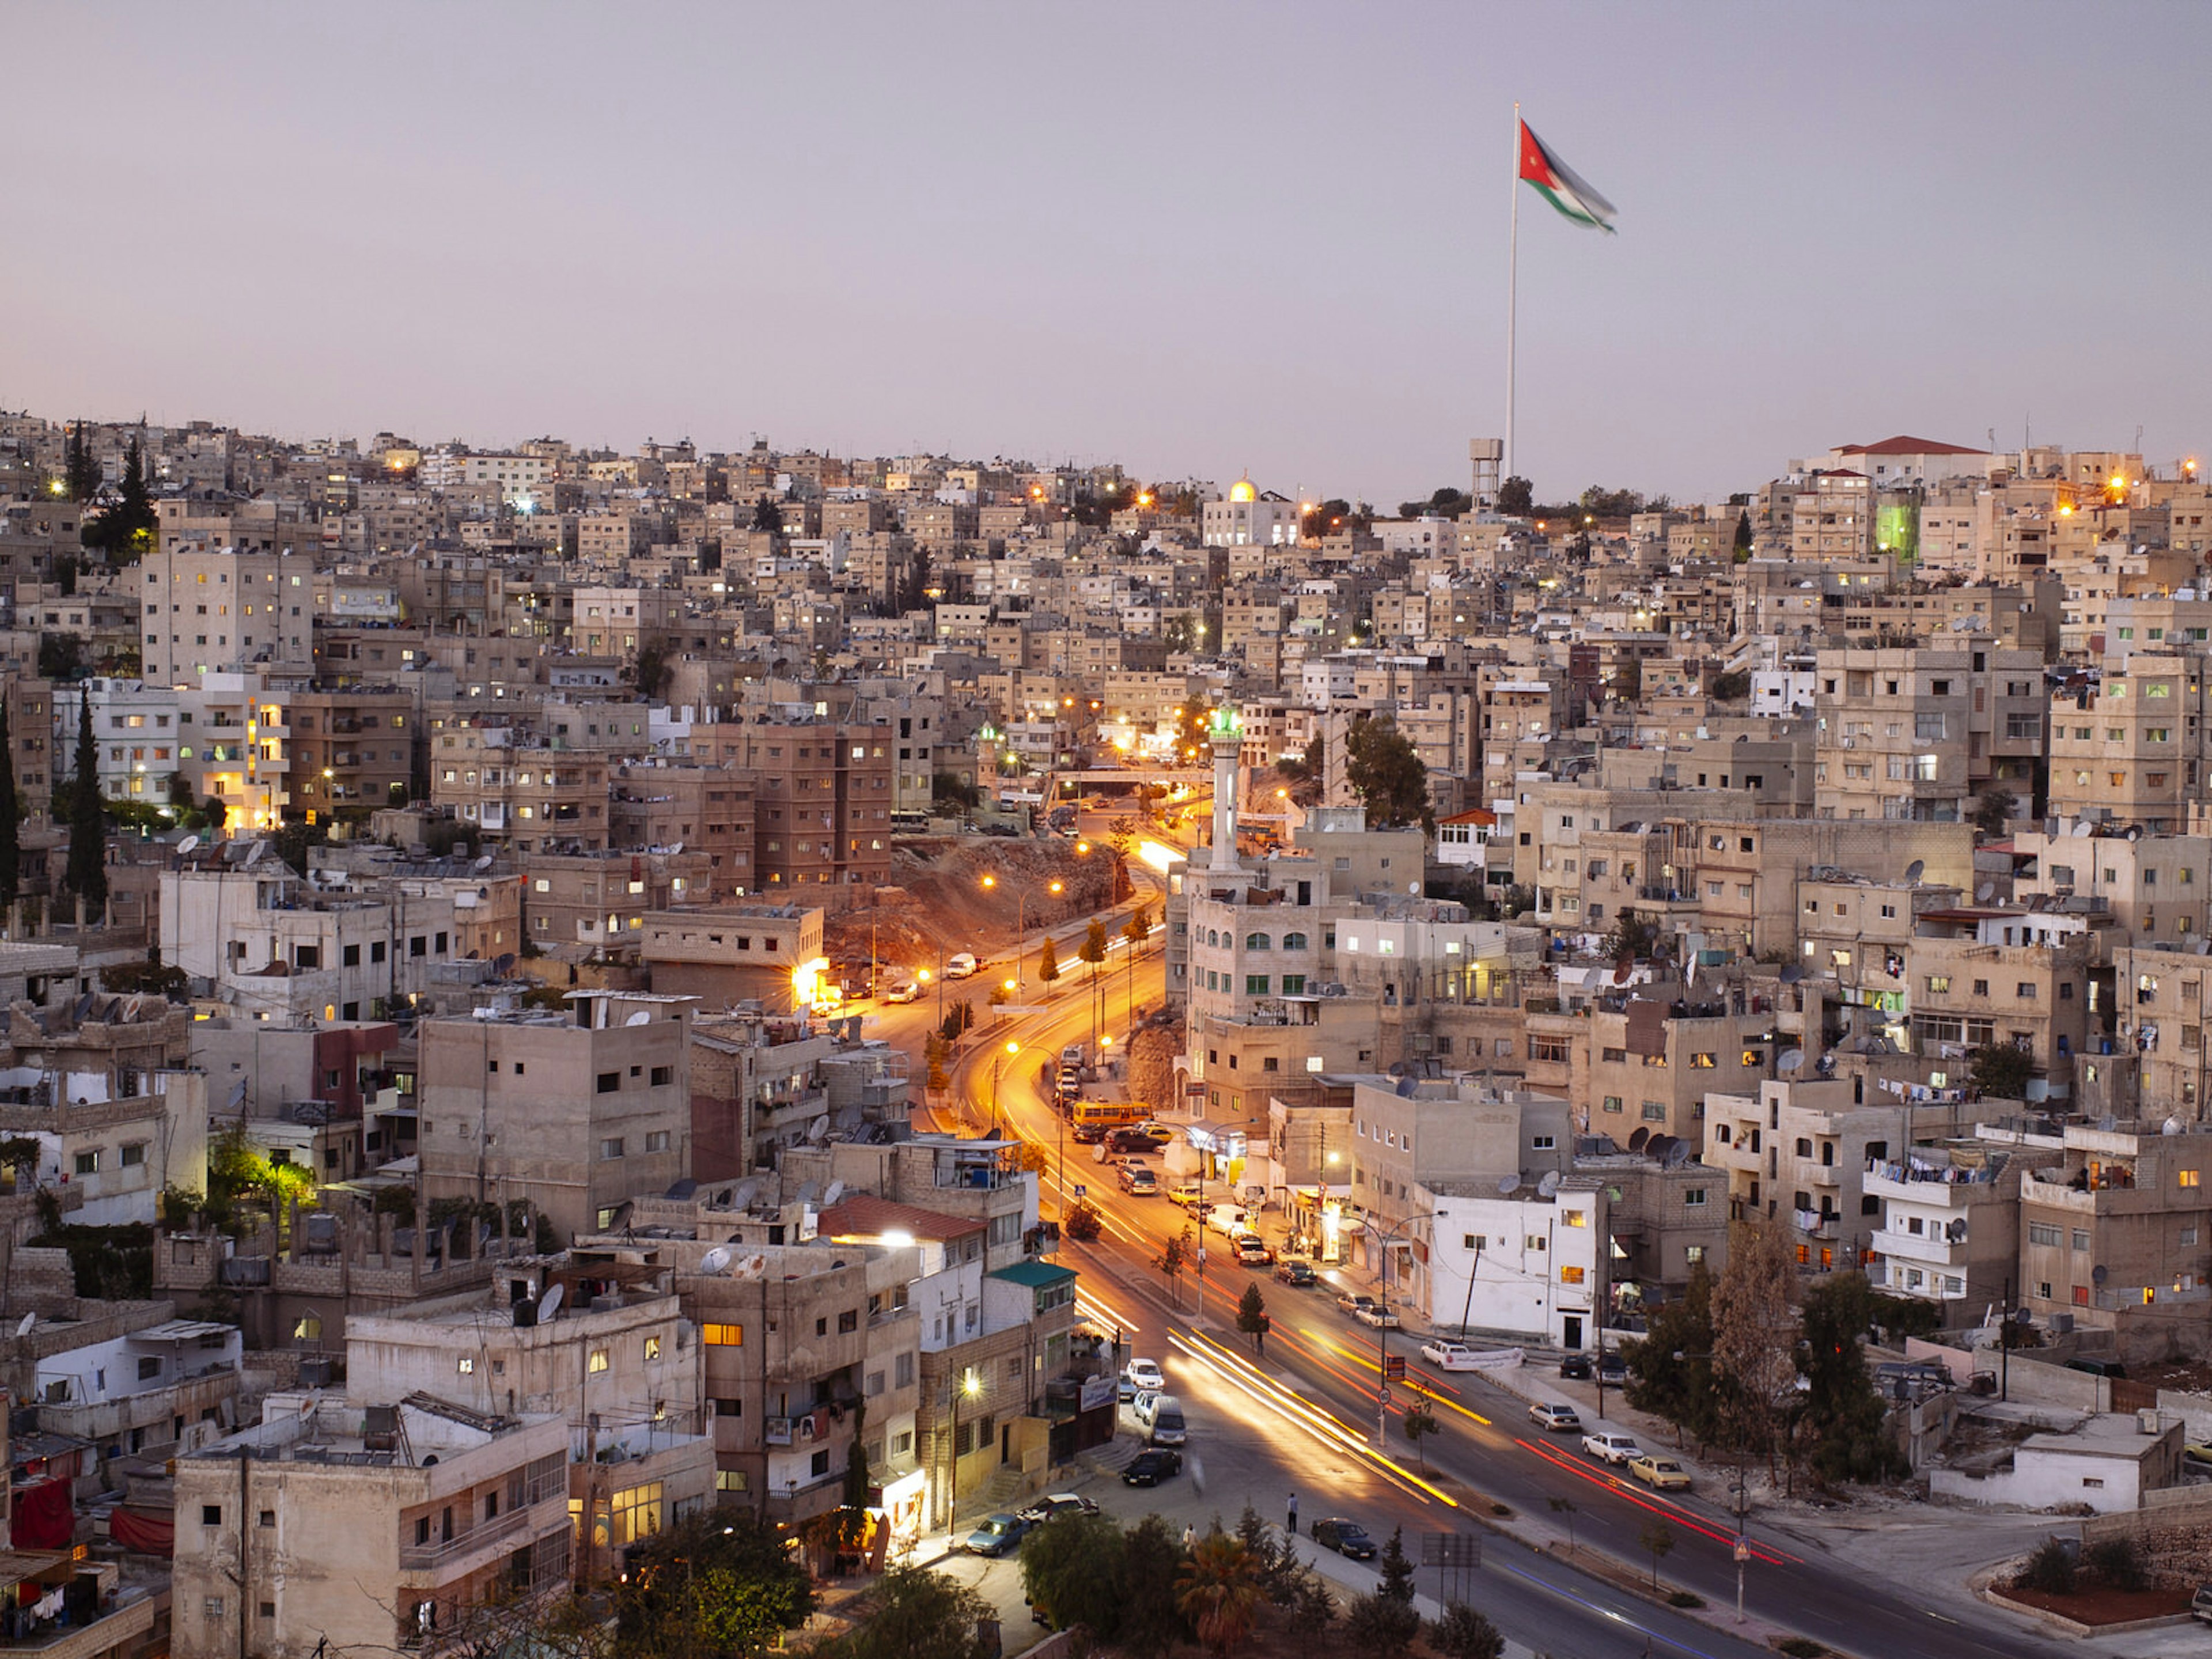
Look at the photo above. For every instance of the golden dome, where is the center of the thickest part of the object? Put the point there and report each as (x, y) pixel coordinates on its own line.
(1242, 490)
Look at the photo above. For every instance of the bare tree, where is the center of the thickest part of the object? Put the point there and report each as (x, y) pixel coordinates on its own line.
(1755, 1333)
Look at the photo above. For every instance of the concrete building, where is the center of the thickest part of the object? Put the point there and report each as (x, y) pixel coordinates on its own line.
(574, 1112)
(1916, 734)
(768, 953)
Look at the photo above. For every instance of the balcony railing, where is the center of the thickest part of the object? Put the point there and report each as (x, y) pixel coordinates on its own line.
(416, 1557)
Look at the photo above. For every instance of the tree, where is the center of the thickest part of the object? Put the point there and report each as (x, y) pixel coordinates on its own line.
(720, 1583)
(1446, 502)
(1670, 1368)
(1993, 809)
(2001, 1070)
(1741, 551)
(1463, 1634)
(1658, 1540)
(1070, 1566)
(654, 669)
(1171, 1260)
(125, 531)
(86, 875)
(61, 657)
(765, 515)
(1844, 1418)
(1308, 1609)
(1566, 1507)
(1048, 961)
(1383, 1625)
(1151, 1622)
(11, 817)
(914, 1613)
(1093, 948)
(1218, 1591)
(1515, 498)
(1383, 770)
(1139, 927)
(1418, 1423)
(913, 594)
(933, 1052)
(81, 470)
(1633, 939)
(1754, 1332)
(959, 1018)
(1252, 1316)
(1082, 1222)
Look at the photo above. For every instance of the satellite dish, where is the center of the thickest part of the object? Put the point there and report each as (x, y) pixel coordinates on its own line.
(1415, 888)
(743, 1198)
(1507, 1184)
(2170, 1126)
(551, 1304)
(1789, 1059)
(642, 1017)
(1549, 1186)
(2098, 1274)
(2079, 830)
(1982, 893)
(716, 1260)
(836, 1191)
(677, 848)
(1636, 1141)
(1915, 870)
(189, 844)
(481, 864)
(806, 1192)
(29, 1320)
(1791, 973)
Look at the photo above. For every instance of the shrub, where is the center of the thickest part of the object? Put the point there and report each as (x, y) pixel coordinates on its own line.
(1800, 1647)
(1685, 1599)
(2050, 1569)
(2118, 1562)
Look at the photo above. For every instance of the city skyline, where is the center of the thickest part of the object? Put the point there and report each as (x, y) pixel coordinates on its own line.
(976, 238)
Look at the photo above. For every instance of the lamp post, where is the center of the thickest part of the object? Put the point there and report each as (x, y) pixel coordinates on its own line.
(1021, 920)
(1383, 1333)
(1010, 1048)
(969, 1387)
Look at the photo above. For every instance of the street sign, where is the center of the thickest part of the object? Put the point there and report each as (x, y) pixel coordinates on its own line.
(1394, 1366)
(1451, 1549)
(1742, 1550)
(1082, 1191)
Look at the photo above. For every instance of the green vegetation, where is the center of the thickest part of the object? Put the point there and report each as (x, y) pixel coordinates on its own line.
(1385, 771)
(1383, 1625)
(720, 1583)
(2000, 1071)
(1252, 1318)
(86, 873)
(108, 1263)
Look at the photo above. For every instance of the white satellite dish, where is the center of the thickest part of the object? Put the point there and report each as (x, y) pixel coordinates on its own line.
(1549, 1186)
(189, 844)
(1507, 1184)
(29, 1320)
(1915, 870)
(836, 1191)
(716, 1260)
(550, 1305)
(642, 1017)
(1982, 893)
(677, 848)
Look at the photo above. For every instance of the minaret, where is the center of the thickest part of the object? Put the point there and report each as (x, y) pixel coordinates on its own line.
(1225, 727)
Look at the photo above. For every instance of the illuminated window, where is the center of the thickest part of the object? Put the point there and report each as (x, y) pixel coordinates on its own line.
(723, 1336)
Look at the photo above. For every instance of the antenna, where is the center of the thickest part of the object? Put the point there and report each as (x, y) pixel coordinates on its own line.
(716, 1260)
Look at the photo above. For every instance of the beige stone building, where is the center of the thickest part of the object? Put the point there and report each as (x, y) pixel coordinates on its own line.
(2130, 749)
(1918, 734)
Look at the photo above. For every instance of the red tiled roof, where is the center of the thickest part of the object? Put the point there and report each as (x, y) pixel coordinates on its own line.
(863, 1215)
(1909, 446)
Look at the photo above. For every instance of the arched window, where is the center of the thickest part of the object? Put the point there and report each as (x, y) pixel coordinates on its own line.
(1213, 936)
(1258, 942)
(1294, 941)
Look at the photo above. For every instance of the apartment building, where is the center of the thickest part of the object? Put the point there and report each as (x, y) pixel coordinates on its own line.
(2113, 1237)
(208, 607)
(575, 1113)
(602, 899)
(709, 810)
(1950, 1222)
(1916, 734)
(2154, 887)
(354, 750)
(2129, 747)
(822, 799)
(2034, 980)
(344, 1523)
(134, 734)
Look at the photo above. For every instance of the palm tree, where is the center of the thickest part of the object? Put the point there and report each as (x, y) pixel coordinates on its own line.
(1220, 1591)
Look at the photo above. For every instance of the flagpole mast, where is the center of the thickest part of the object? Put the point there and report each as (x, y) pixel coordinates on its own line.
(1512, 288)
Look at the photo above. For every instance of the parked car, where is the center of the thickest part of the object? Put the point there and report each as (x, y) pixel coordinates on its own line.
(1350, 1302)
(1344, 1537)
(1614, 1449)
(1184, 1193)
(1142, 1377)
(1252, 1250)
(1131, 1142)
(1449, 1356)
(1612, 1369)
(1377, 1315)
(1577, 1368)
(1138, 1181)
(1663, 1474)
(908, 991)
(1149, 1468)
(963, 966)
(1160, 1416)
(1160, 1133)
(1055, 1504)
(1557, 1416)
(2200, 1605)
(1299, 1275)
(998, 1534)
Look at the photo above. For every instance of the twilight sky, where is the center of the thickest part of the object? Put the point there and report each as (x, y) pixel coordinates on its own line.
(1198, 238)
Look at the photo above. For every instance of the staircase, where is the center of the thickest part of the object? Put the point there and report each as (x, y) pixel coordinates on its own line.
(1001, 1492)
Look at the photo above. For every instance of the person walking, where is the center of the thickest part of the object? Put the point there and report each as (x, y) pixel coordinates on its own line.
(1294, 1515)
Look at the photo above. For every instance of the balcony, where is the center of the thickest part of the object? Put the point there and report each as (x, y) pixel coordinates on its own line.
(428, 1558)
(1935, 1250)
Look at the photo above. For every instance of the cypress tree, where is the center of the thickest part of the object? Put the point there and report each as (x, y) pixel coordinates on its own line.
(88, 847)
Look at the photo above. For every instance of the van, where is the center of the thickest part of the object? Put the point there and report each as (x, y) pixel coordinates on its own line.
(962, 966)
(1230, 1218)
(2200, 1605)
(1160, 1415)
(1072, 1056)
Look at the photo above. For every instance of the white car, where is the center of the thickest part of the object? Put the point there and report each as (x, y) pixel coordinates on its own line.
(1142, 1377)
(962, 966)
(1615, 1449)
(1555, 1415)
(1449, 1356)
(909, 992)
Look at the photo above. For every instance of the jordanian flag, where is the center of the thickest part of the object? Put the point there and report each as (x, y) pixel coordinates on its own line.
(1559, 185)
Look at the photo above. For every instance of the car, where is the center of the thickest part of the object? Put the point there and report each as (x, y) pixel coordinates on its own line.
(2197, 1451)
(1159, 1133)
(998, 1534)
(1577, 1367)
(1449, 1356)
(1185, 1193)
(2200, 1605)
(1344, 1537)
(1614, 1449)
(963, 966)
(1252, 1250)
(1555, 1415)
(1142, 1377)
(1053, 1506)
(1128, 1141)
(1160, 1416)
(1088, 1134)
(1138, 1181)
(1150, 1468)
(1663, 1473)
(1377, 1315)
(1611, 1369)
(1351, 1302)
(1296, 1274)
(908, 991)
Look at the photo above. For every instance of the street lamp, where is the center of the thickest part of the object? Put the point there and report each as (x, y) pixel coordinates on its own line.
(1390, 1232)
(1012, 1049)
(970, 1386)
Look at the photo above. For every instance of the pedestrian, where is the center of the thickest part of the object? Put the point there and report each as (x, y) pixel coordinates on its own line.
(1294, 1515)
(1189, 1538)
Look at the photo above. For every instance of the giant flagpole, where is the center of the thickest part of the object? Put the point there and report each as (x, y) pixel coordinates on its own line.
(1512, 296)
